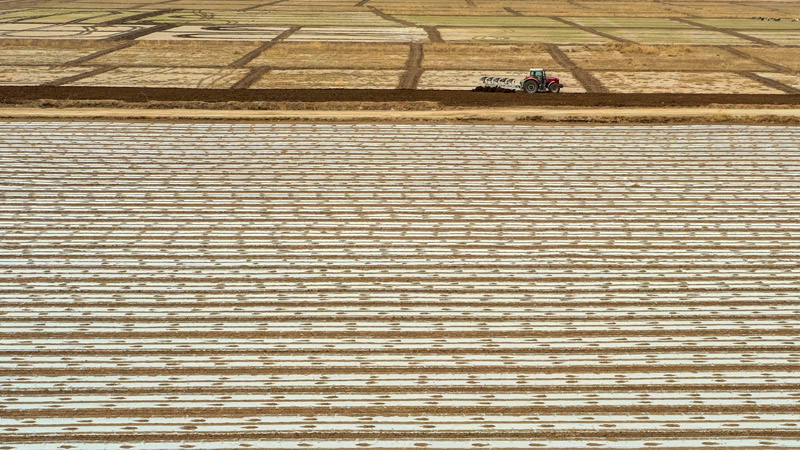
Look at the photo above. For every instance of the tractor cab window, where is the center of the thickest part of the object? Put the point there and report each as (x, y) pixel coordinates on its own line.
(538, 74)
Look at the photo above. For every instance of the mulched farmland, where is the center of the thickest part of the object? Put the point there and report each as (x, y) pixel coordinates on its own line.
(221, 286)
(686, 46)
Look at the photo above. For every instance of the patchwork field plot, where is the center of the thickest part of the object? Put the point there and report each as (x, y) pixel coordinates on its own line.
(782, 37)
(184, 77)
(668, 59)
(628, 22)
(783, 56)
(750, 24)
(166, 53)
(516, 57)
(214, 286)
(325, 55)
(35, 75)
(671, 36)
(484, 21)
(275, 17)
(682, 82)
(358, 34)
(330, 79)
(577, 36)
(520, 35)
(47, 52)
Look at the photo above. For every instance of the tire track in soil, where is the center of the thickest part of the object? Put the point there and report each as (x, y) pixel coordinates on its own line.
(775, 84)
(95, 55)
(589, 82)
(703, 26)
(513, 12)
(471, 3)
(362, 3)
(413, 67)
(80, 76)
(592, 30)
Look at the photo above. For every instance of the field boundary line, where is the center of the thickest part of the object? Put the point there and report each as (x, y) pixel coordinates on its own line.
(737, 34)
(250, 56)
(95, 55)
(135, 34)
(144, 15)
(592, 30)
(775, 84)
(413, 67)
(80, 76)
(586, 79)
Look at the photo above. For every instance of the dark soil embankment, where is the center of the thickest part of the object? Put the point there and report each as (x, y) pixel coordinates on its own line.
(25, 94)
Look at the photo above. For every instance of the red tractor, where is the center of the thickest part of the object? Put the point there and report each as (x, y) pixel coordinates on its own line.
(536, 81)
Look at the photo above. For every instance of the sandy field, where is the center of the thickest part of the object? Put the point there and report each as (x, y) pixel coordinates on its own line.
(682, 82)
(325, 55)
(227, 285)
(329, 79)
(649, 57)
(166, 77)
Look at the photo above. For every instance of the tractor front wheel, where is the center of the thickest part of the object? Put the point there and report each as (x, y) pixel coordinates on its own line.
(555, 88)
(530, 86)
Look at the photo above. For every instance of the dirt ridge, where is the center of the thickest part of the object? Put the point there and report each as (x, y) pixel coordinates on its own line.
(413, 68)
(22, 94)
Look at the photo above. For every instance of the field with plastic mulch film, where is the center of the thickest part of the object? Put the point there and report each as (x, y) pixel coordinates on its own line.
(227, 286)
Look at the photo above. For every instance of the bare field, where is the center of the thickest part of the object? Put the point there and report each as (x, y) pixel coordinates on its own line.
(35, 75)
(46, 52)
(226, 285)
(786, 56)
(519, 35)
(329, 79)
(185, 77)
(485, 57)
(682, 82)
(661, 58)
(187, 53)
(327, 55)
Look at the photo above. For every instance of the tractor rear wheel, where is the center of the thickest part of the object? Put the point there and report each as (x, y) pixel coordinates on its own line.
(530, 86)
(555, 88)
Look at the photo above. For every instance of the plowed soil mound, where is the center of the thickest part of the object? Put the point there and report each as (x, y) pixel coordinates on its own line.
(20, 94)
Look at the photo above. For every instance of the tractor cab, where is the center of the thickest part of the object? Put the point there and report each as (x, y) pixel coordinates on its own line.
(538, 74)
